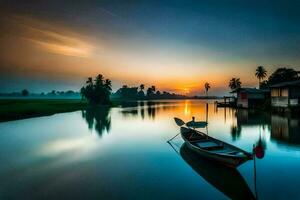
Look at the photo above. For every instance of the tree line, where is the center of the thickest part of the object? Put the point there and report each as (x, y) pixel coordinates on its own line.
(99, 91)
(53, 93)
(280, 75)
(141, 93)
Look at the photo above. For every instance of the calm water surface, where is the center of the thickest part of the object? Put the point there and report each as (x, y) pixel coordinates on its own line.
(122, 153)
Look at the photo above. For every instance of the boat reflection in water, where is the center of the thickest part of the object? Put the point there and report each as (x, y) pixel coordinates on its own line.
(227, 180)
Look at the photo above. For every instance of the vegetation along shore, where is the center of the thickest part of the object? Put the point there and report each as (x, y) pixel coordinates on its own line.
(98, 92)
(27, 108)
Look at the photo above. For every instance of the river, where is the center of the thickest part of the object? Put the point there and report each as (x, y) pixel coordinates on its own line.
(122, 153)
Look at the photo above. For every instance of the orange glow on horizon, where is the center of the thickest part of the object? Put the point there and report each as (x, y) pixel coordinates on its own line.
(53, 50)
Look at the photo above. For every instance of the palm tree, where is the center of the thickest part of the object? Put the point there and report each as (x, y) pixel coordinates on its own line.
(142, 87)
(141, 93)
(99, 80)
(89, 81)
(97, 91)
(235, 83)
(25, 93)
(206, 87)
(260, 73)
(107, 84)
(153, 88)
(151, 91)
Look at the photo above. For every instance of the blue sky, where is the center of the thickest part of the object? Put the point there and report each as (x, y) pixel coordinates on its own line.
(154, 42)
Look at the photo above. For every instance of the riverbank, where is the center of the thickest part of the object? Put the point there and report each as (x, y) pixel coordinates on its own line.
(14, 109)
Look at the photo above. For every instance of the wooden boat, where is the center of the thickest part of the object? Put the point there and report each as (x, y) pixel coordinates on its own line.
(194, 124)
(227, 180)
(212, 148)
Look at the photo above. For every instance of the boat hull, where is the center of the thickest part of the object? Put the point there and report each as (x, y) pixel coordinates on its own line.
(227, 160)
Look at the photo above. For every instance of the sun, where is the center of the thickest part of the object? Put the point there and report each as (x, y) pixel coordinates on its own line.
(186, 90)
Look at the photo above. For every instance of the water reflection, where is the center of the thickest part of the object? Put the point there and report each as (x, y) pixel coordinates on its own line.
(64, 161)
(260, 147)
(98, 118)
(285, 129)
(282, 128)
(227, 180)
(249, 118)
(144, 109)
(128, 104)
(235, 132)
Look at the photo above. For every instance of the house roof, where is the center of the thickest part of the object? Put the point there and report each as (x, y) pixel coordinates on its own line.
(288, 83)
(249, 90)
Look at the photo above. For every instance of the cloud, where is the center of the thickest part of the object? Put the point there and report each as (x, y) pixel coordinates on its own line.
(66, 50)
(51, 38)
(58, 43)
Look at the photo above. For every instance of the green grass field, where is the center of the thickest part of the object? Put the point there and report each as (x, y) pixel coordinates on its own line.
(13, 109)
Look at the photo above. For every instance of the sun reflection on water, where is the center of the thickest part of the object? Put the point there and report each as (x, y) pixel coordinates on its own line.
(187, 110)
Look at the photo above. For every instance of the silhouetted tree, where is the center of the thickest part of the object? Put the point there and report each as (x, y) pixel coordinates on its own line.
(107, 90)
(206, 87)
(235, 83)
(153, 88)
(264, 85)
(260, 73)
(69, 93)
(97, 91)
(60, 92)
(282, 75)
(151, 91)
(127, 92)
(142, 87)
(52, 93)
(141, 93)
(137, 93)
(25, 93)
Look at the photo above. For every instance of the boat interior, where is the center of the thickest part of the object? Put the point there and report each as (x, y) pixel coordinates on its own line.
(205, 143)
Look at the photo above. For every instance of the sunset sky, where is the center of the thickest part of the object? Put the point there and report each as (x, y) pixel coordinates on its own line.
(175, 45)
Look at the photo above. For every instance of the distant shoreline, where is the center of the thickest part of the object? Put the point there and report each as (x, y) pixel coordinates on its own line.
(79, 98)
(23, 108)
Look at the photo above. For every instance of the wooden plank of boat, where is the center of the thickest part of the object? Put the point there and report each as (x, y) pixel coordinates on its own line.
(214, 149)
